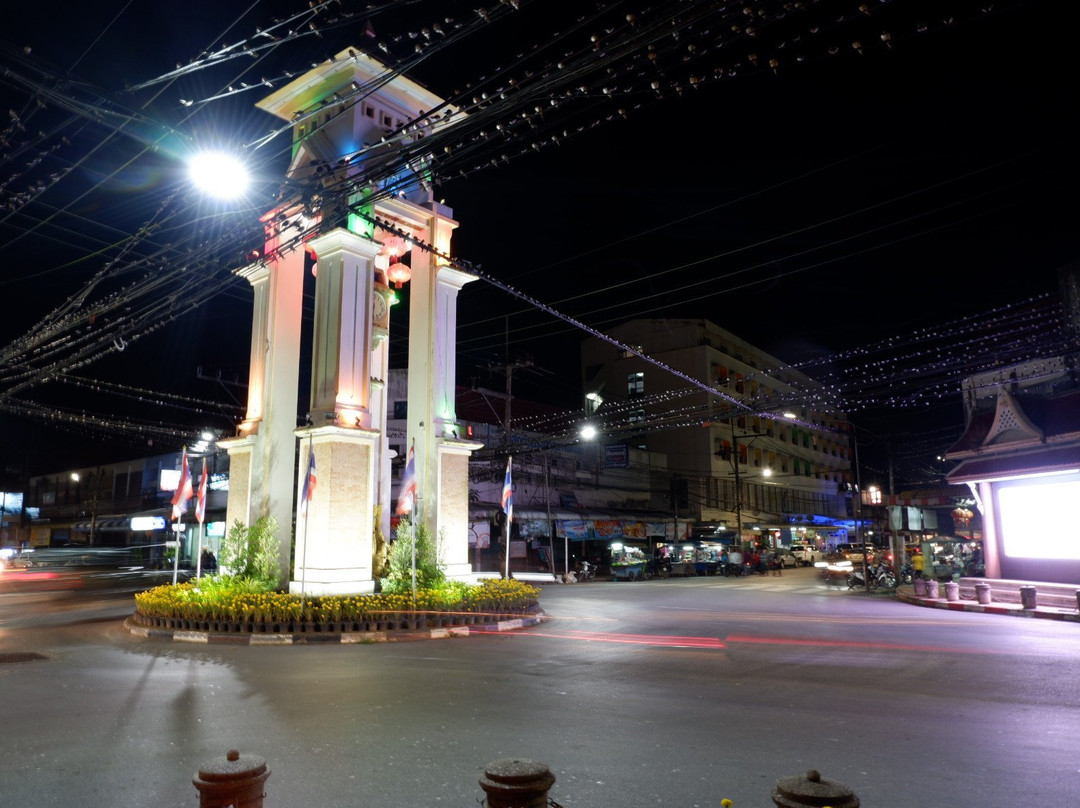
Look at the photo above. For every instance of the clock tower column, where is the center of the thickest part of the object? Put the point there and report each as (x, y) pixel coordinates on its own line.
(334, 528)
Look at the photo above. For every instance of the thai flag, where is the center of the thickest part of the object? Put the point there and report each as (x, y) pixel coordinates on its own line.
(508, 493)
(407, 495)
(200, 500)
(309, 482)
(183, 489)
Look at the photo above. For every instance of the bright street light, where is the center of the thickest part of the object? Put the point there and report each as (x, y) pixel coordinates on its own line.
(588, 432)
(219, 174)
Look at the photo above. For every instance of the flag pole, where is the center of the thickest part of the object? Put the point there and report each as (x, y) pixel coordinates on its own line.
(179, 503)
(200, 514)
(507, 498)
(202, 538)
(176, 554)
(303, 554)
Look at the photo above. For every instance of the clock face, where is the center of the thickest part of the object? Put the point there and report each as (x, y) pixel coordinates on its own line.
(379, 309)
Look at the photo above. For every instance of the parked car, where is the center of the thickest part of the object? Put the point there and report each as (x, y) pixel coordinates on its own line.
(805, 554)
(851, 552)
(786, 558)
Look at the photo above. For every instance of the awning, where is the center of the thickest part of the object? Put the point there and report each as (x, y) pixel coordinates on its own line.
(987, 468)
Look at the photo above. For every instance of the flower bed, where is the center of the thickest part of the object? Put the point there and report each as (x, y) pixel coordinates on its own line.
(213, 605)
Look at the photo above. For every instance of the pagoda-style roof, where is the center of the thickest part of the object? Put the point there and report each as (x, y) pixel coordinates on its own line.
(1021, 435)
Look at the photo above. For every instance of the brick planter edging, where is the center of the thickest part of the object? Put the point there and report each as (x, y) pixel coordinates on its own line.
(400, 632)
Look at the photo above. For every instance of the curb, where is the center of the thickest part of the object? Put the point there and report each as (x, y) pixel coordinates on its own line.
(1040, 612)
(341, 638)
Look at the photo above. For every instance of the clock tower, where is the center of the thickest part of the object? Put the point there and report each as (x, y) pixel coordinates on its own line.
(334, 112)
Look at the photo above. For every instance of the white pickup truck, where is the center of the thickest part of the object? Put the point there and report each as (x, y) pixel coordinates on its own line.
(806, 554)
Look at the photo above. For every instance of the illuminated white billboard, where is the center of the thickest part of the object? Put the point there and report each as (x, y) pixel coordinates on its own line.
(1039, 517)
(168, 479)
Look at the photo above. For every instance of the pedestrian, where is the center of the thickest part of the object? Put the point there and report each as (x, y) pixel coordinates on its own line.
(208, 561)
(918, 563)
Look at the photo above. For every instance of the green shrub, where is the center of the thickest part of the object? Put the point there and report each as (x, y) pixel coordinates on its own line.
(429, 573)
(251, 552)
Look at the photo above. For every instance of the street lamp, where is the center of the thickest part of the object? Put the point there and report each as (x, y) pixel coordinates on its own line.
(219, 174)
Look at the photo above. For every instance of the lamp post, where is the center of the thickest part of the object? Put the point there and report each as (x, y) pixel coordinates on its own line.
(857, 510)
(550, 524)
(589, 433)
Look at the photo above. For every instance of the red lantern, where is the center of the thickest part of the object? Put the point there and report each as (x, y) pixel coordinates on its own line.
(962, 516)
(394, 247)
(399, 274)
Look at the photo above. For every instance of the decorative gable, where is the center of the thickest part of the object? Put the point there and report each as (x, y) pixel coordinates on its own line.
(1010, 424)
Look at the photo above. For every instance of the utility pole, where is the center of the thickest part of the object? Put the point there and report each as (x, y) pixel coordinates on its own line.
(738, 484)
(508, 369)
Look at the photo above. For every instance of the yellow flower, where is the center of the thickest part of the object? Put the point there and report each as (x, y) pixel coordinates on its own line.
(726, 803)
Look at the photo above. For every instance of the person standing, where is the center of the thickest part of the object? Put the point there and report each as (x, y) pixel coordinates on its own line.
(918, 563)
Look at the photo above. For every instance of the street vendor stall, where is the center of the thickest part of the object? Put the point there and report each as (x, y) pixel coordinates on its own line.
(627, 563)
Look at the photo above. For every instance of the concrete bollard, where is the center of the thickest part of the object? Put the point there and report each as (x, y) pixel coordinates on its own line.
(982, 593)
(920, 587)
(514, 783)
(952, 591)
(235, 781)
(812, 790)
(1027, 597)
(931, 588)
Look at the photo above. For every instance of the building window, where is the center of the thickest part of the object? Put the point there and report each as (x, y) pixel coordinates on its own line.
(712, 493)
(635, 384)
(401, 410)
(636, 416)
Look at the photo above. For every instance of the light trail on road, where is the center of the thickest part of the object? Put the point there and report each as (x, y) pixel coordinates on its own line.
(711, 643)
(745, 639)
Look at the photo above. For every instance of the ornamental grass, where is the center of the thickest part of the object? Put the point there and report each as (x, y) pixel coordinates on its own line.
(236, 600)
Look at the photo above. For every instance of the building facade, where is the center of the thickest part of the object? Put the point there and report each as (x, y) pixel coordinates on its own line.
(755, 457)
(125, 506)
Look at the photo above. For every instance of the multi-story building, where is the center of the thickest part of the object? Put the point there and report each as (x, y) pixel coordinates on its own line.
(123, 505)
(573, 497)
(759, 454)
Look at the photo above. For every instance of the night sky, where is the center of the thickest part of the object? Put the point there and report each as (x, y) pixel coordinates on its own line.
(895, 170)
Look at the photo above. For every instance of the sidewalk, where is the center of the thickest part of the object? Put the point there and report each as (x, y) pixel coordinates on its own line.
(1000, 592)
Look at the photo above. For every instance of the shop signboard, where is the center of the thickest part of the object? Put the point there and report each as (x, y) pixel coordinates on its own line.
(616, 456)
(573, 529)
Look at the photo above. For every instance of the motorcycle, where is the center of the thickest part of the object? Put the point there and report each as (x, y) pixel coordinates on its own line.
(878, 575)
(585, 572)
(657, 568)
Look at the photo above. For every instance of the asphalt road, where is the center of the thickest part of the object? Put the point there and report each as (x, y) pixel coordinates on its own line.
(677, 692)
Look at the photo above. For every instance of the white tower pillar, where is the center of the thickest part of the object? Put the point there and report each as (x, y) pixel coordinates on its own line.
(442, 456)
(261, 458)
(334, 538)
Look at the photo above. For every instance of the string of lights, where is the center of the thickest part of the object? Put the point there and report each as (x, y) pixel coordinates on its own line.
(623, 62)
